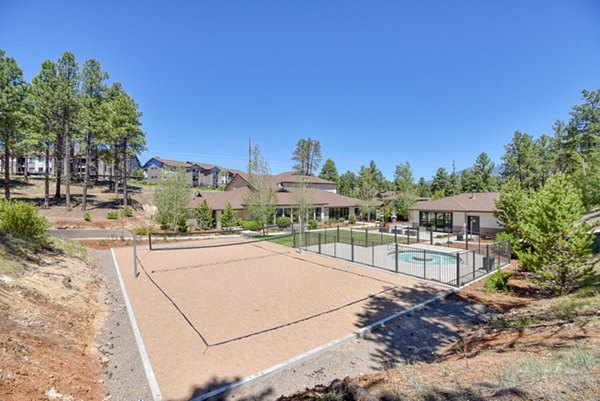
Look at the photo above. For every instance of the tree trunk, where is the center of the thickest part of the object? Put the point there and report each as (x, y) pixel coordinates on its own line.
(86, 178)
(96, 165)
(6, 171)
(67, 167)
(116, 172)
(47, 177)
(125, 173)
(58, 160)
(26, 167)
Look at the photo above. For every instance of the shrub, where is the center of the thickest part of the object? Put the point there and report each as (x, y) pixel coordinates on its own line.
(228, 219)
(144, 230)
(22, 218)
(112, 215)
(284, 222)
(516, 246)
(87, 216)
(204, 216)
(182, 224)
(352, 219)
(498, 282)
(312, 224)
(127, 211)
(341, 220)
(252, 225)
(137, 174)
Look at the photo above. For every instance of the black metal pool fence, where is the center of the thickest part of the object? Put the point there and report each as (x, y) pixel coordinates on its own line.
(395, 252)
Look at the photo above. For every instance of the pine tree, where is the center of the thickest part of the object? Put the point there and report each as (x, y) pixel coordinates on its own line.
(204, 216)
(441, 183)
(329, 171)
(95, 122)
(559, 242)
(68, 108)
(42, 97)
(228, 219)
(13, 90)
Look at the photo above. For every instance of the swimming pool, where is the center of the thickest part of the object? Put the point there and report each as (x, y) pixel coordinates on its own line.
(424, 256)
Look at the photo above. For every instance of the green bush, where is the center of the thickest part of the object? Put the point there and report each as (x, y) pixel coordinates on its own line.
(182, 224)
(87, 216)
(284, 222)
(137, 174)
(144, 230)
(127, 211)
(516, 246)
(498, 282)
(312, 224)
(352, 219)
(17, 217)
(341, 220)
(112, 215)
(252, 225)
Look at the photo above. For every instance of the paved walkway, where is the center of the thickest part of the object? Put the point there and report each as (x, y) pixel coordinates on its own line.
(90, 234)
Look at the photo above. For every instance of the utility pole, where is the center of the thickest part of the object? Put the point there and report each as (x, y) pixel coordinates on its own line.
(249, 155)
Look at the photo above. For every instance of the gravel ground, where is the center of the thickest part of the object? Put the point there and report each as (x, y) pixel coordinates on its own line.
(412, 338)
(125, 379)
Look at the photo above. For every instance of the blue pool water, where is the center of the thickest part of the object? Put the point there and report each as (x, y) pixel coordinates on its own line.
(431, 258)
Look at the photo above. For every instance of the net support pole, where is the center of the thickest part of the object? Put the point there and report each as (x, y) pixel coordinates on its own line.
(408, 236)
(424, 263)
(366, 237)
(473, 265)
(352, 249)
(396, 266)
(418, 235)
(396, 233)
(150, 240)
(135, 266)
(430, 237)
(338, 233)
(457, 270)
(319, 236)
(372, 253)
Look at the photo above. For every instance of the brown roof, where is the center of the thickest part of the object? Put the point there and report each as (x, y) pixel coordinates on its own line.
(205, 166)
(291, 176)
(173, 163)
(467, 202)
(217, 200)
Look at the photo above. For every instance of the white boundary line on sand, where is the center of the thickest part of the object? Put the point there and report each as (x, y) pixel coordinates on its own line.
(156, 395)
(335, 343)
(315, 351)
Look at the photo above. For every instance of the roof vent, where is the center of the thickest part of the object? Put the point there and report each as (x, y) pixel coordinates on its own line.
(472, 195)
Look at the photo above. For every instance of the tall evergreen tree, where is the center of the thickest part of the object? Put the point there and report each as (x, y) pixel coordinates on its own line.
(307, 156)
(482, 172)
(125, 125)
(423, 188)
(42, 95)
(441, 182)
(69, 111)
(13, 91)
(348, 184)
(520, 161)
(94, 122)
(329, 171)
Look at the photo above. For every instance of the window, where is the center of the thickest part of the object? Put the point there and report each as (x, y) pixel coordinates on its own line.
(438, 221)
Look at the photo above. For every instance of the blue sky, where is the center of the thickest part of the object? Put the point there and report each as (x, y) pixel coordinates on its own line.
(425, 81)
